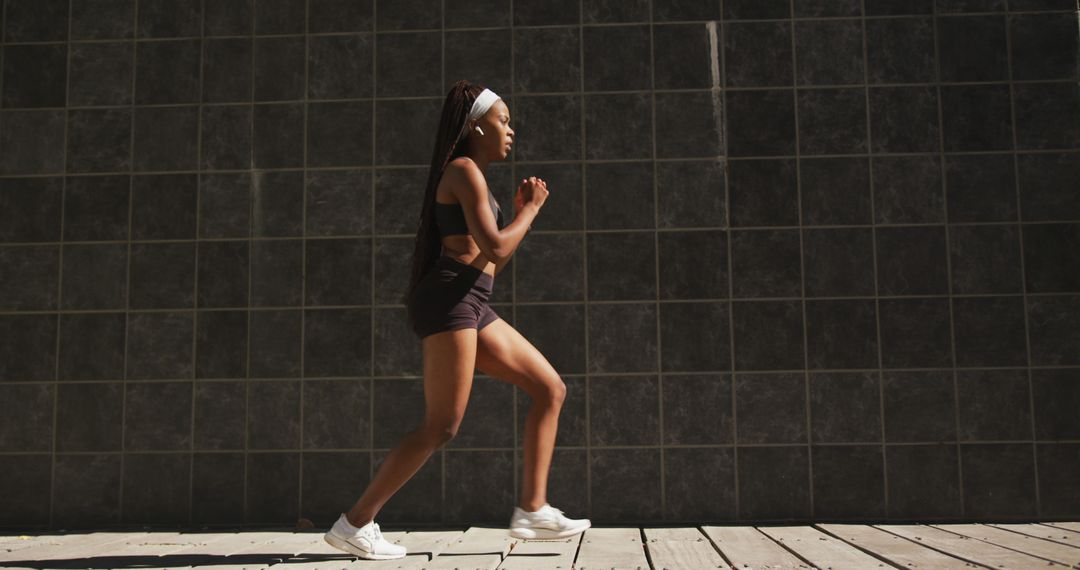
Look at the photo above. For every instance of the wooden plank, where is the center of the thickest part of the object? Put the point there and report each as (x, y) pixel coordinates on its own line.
(477, 547)
(611, 547)
(142, 550)
(683, 547)
(1060, 536)
(748, 547)
(224, 544)
(190, 543)
(239, 562)
(287, 543)
(316, 545)
(154, 551)
(1037, 547)
(42, 542)
(550, 553)
(424, 546)
(820, 549)
(1073, 526)
(970, 549)
(94, 544)
(12, 543)
(81, 551)
(247, 550)
(900, 551)
(151, 544)
(316, 554)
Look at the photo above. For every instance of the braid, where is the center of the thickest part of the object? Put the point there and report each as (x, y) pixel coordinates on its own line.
(452, 125)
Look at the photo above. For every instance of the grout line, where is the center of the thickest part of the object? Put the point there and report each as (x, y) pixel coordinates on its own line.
(583, 169)
(374, 235)
(730, 278)
(278, 450)
(802, 258)
(254, 189)
(130, 224)
(869, 162)
(656, 267)
(442, 448)
(558, 162)
(409, 378)
(546, 232)
(60, 272)
(303, 285)
(964, 14)
(1023, 276)
(195, 284)
(517, 466)
(538, 94)
(940, 155)
(273, 308)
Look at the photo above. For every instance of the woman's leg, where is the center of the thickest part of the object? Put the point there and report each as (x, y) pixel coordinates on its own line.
(449, 363)
(503, 353)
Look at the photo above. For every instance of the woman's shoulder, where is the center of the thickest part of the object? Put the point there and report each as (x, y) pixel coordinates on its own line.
(462, 163)
(463, 171)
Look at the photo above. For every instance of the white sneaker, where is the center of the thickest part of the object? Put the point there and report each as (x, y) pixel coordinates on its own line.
(548, 522)
(365, 542)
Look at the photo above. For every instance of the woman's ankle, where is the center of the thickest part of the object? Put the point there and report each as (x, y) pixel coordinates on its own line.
(358, 522)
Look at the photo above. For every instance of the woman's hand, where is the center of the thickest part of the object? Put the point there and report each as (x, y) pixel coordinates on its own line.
(532, 190)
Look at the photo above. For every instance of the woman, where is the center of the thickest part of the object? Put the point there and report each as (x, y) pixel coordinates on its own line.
(461, 244)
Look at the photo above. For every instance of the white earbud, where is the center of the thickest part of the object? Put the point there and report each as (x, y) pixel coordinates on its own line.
(478, 129)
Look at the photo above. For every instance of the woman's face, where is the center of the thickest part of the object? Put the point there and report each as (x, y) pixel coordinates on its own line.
(498, 136)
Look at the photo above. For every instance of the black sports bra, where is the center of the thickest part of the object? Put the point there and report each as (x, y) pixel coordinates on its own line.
(451, 218)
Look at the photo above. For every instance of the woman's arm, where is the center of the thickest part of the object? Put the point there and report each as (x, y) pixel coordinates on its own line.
(499, 265)
(497, 245)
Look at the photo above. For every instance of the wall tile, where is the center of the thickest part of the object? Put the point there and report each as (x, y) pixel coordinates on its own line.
(208, 211)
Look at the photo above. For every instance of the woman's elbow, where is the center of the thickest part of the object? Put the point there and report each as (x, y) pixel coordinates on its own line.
(498, 251)
(497, 255)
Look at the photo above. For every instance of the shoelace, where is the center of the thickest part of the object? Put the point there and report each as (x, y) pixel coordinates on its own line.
(378, 533)
(555, 510)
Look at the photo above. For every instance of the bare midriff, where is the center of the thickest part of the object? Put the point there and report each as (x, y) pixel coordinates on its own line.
(461, 247)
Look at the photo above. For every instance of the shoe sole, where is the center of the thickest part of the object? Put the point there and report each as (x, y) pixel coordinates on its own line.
(353, 549)
(545, 534)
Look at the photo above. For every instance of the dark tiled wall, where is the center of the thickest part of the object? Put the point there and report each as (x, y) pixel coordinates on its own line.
(810, 259)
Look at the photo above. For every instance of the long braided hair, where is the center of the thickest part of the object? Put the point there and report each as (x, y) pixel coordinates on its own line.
(452, 125)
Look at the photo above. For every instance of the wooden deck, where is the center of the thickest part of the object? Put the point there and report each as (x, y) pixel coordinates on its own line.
(829, 546)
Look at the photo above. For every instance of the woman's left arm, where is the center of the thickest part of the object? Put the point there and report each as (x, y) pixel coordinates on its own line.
(499, 265)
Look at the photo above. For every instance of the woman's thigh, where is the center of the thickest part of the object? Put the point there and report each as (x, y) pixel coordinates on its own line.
(503, 353)
(449, 362)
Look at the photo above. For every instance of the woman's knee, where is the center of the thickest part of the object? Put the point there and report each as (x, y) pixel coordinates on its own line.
(551, 392)
(440, 432)
(559, 391)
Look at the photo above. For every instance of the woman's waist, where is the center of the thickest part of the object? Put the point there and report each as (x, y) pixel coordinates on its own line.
(448, 262)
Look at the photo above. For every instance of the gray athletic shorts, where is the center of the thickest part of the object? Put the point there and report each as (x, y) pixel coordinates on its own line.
(450, 296)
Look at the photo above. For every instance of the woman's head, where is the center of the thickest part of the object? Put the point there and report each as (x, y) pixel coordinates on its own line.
(489, 136)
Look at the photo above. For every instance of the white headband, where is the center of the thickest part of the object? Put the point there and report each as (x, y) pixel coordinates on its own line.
(483, 102)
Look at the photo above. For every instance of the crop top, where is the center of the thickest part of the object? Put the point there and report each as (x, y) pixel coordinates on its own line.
(451, 218)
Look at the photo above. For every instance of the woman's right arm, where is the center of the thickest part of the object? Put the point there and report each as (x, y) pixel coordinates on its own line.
(497, 245)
